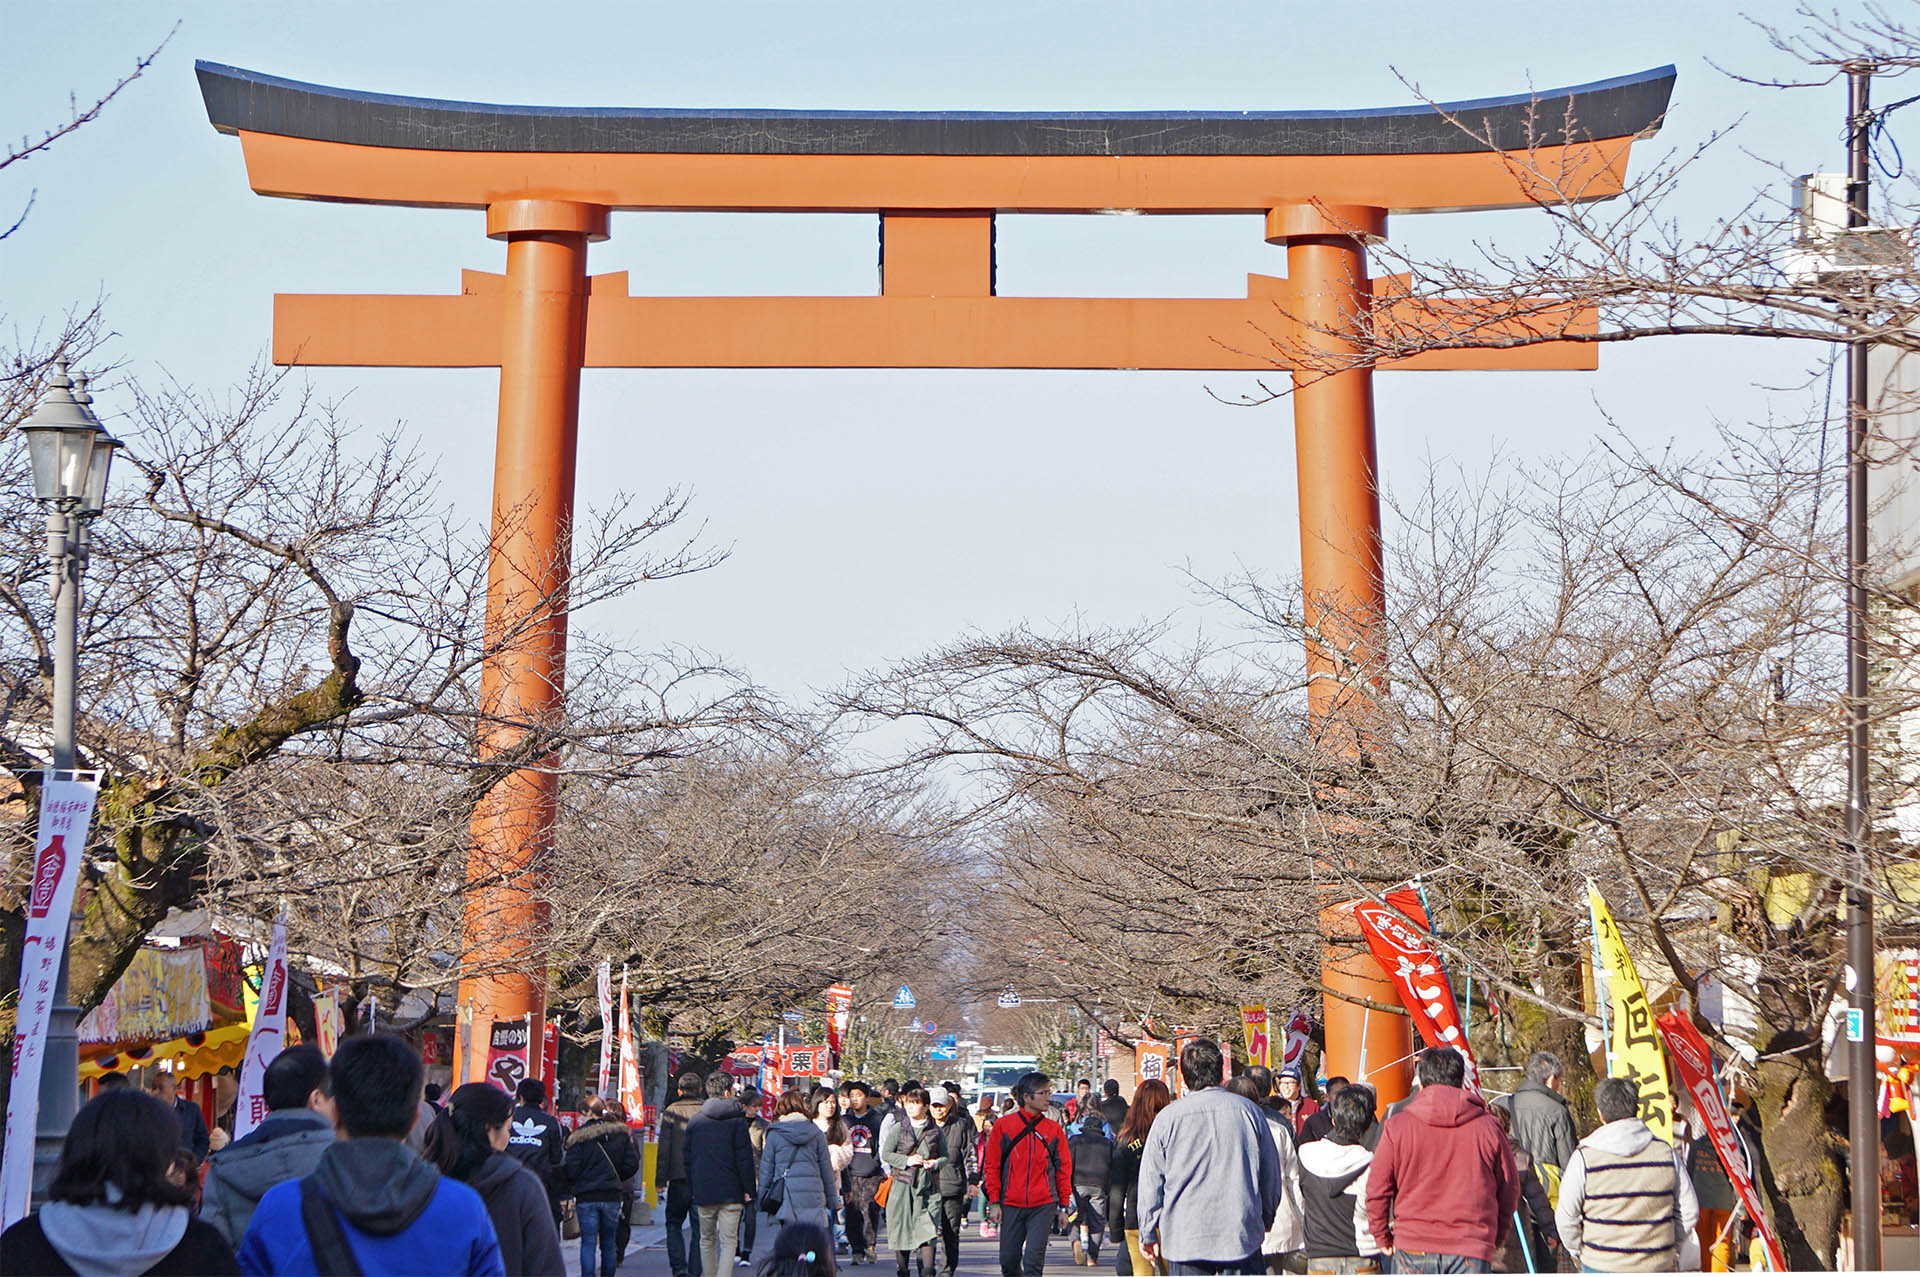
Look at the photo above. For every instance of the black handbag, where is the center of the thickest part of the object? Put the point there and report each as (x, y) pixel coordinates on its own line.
(774, 1195)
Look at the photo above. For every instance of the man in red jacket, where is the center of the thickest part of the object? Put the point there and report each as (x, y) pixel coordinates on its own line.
(1442, 1185)
(1029, 1178)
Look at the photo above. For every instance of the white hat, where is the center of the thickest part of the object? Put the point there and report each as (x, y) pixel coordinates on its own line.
(939, 1095)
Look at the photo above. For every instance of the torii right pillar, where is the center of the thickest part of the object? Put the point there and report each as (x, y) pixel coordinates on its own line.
(1342, 584)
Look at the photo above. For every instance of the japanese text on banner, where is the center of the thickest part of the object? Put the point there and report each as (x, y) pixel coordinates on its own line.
(1695, 1063)
(66, 812)
(1633, 1050)
(266, 1038)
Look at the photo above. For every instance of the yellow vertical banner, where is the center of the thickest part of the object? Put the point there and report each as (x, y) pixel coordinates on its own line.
(329, 1021)
(1259, 1039)
(1633, 1045)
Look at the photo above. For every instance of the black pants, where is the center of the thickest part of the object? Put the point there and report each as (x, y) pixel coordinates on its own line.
(922, 1254)
(683, 1261)
(863, 1213)
(1024, 1231)
(748, 1218)
(953, 1214)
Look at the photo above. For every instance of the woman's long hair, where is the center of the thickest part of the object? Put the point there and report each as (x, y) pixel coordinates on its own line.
(836, 1128)
(125, 1138)
(460, 1142)
(1152, 1096)
(801, 1250)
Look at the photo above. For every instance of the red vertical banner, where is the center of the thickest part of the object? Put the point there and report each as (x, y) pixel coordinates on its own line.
(1406, 955)
(550, 1058)
(1299, 1029)
(632, 1097)
(839, 1010)
(1693, 1059)
(508, 1048)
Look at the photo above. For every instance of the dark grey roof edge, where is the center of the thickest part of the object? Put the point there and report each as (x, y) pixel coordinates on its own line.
(1626, 106)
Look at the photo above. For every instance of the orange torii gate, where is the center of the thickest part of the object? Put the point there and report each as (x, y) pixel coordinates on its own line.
(548, 177)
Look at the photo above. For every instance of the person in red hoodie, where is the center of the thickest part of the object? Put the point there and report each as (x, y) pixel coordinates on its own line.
(1442, 1187)
(1028, 1173)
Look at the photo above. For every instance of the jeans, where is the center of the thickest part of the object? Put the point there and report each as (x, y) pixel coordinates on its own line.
(749, 1228)
(1420, 1261)
(1206, 1267)
(719, 1236)
(682, 1260)
(1024, 1231)
(597, 1222)
(953, 1216)
(863, 1214)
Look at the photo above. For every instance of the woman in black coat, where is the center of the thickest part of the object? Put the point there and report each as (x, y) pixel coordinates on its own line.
(468, 1142)
(119, 1200)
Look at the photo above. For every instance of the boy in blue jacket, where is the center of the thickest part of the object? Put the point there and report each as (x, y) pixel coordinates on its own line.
(371, 1205)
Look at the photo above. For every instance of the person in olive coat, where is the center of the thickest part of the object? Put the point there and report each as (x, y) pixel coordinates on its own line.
(915, 1152)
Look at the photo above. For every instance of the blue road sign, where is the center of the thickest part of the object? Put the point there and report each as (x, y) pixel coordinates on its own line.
(903, 1000)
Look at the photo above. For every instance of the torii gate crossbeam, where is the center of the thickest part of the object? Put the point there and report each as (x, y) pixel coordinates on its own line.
(547, 178)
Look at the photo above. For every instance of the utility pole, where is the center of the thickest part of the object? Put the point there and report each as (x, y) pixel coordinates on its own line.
(1863, 1122)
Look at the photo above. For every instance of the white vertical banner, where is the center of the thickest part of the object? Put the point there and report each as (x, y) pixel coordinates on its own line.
(268, 1036)
(66, 813)
(606, 1027)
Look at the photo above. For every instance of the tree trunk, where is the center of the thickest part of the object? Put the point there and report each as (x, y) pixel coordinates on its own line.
(1800, 1169)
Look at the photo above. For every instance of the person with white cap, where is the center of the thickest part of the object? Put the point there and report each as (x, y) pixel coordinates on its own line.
(959, 1174)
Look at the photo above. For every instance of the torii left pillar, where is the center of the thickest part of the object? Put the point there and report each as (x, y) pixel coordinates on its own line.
(523, 678)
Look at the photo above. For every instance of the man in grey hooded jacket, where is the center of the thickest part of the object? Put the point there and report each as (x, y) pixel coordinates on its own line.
(286, 1145)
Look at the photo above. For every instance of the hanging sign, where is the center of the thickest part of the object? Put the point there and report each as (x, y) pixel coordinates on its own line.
(1150, 1060)
(1694, 1060)
(1633, 1045)
(903, 1000)
(605, 989)
(1009, 998)
(550, 1056)
(1407, 956)
(266, 1039)
(508, 1053)
(66, 812)
(1254, 1020)
(839, 1008)
(808, 1061)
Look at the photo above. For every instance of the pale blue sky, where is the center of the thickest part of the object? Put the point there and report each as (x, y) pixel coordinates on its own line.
(870, 514)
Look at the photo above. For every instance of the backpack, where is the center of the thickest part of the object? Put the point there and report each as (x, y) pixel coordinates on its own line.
(1032, 1127)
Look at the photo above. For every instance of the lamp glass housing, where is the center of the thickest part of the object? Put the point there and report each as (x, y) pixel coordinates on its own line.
(61, 456)
(99, 460)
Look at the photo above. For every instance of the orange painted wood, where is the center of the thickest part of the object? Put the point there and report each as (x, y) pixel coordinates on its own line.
(1206, 334)
(304, 169)
(936, 254)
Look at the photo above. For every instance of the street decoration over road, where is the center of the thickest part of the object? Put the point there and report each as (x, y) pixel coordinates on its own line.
(547, 179)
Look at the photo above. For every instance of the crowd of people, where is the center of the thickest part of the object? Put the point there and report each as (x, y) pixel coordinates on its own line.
(359, 1168)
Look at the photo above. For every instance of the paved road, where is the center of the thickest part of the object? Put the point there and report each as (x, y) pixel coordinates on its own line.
(647, 1257)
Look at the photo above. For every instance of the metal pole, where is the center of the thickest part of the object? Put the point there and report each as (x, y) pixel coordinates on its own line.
(1863, 1125)
(60, 1075)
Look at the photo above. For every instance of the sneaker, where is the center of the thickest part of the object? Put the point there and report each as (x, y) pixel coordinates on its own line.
(741, 1261)
(1079, 1254)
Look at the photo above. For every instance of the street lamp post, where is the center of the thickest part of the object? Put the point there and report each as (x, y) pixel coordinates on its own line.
(71, 453)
